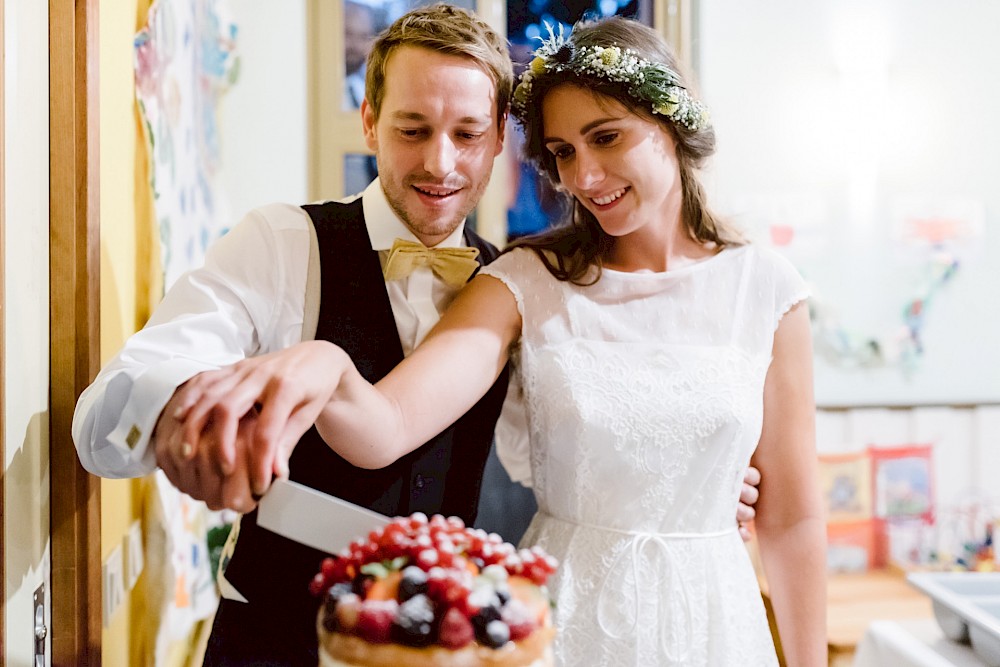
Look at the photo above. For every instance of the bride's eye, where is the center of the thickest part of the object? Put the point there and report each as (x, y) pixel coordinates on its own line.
(561, 152)
(605, 138)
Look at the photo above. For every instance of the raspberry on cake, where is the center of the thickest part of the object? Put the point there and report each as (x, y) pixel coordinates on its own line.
(432, 593)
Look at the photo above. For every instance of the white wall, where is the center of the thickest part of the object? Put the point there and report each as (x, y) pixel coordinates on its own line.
(832, 117)
(26, 282)
(263, 124)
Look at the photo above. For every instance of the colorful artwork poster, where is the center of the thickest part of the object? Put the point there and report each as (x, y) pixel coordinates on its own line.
(902, 481)
(185, 60)
(846, 481)
(180, 587)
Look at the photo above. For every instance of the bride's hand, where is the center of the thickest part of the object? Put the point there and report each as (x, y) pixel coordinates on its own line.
(288, 388)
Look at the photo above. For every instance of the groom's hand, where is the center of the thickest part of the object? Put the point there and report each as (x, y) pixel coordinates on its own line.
(745, 512)
(195, 472)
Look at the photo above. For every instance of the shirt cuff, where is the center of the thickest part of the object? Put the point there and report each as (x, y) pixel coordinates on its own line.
(147, 395)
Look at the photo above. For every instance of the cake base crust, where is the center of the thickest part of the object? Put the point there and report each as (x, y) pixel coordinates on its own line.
(340, 650)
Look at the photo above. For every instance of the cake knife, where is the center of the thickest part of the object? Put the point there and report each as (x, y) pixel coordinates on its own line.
(313, 518)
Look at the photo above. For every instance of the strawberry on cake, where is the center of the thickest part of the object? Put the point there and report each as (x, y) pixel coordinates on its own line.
(433, 593)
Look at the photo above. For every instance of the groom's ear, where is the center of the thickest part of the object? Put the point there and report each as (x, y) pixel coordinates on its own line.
(368, 123)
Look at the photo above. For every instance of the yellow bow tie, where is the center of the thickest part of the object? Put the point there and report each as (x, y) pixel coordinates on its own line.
(452, 265)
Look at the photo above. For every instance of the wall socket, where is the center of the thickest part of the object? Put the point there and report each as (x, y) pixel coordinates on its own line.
(133, 554)
(114, 584)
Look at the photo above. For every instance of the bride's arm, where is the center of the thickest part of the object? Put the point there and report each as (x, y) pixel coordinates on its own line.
(461, 358)
(316, 383)
(790, 520)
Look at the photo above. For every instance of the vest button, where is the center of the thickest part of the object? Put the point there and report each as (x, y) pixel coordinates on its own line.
(419, 481)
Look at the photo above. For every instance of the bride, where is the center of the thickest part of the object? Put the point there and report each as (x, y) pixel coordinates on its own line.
(659, 355)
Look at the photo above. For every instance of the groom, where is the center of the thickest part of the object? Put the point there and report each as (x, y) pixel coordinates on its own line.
(435, 151)
(435, 148)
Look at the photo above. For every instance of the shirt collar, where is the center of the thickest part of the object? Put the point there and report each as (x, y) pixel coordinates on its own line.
(384, 227)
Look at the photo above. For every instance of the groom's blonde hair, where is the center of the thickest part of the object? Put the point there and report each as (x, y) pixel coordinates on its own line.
(446, 29)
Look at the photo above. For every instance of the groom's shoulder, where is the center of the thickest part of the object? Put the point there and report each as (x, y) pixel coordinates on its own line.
(331, 212)
(487, 251)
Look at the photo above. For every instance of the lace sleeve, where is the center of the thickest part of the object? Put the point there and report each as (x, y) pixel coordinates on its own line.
(510, 269)
(789, 287)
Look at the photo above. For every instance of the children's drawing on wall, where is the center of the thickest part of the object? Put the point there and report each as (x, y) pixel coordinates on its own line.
(899, 346)
(933, 234)
(179, 588)
(846, 480)
(185, 60)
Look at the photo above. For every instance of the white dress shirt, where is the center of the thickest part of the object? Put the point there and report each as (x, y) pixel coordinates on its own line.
(247, 300)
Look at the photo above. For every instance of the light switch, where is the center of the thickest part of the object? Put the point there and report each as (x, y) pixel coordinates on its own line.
(133, 554)
(114, 584)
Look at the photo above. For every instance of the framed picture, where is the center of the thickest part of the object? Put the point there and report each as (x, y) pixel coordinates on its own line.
(847, 486)
(902, 490)
(902, 484)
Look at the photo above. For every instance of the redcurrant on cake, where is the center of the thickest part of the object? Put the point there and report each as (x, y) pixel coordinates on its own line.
(433, 593)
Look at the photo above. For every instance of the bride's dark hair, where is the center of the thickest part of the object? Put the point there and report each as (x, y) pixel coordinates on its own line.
(571, 249)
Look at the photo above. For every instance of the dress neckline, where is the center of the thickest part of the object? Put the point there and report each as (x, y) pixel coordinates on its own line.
(673, 273)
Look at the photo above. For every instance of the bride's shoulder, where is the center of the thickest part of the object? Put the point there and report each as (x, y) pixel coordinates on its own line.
(521, 262)
(772, 262)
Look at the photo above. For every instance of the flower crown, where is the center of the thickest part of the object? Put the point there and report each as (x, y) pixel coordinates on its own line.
(647, 81)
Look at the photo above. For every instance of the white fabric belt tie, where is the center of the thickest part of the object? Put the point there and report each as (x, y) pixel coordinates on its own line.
(639, 541)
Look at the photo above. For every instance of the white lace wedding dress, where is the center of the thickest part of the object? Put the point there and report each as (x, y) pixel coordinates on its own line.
(644, 396)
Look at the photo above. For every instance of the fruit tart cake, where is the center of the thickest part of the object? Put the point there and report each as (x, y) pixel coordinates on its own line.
(433, 593)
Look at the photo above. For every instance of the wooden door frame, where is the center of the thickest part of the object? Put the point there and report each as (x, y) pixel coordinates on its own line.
(674, 20)
(74, 311)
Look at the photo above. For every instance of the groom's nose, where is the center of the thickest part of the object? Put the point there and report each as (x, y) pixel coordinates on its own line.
(440, 156)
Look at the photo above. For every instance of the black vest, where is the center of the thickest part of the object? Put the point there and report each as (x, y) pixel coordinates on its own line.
(441, 477)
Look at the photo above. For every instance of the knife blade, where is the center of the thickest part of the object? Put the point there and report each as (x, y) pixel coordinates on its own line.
(314, 518)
